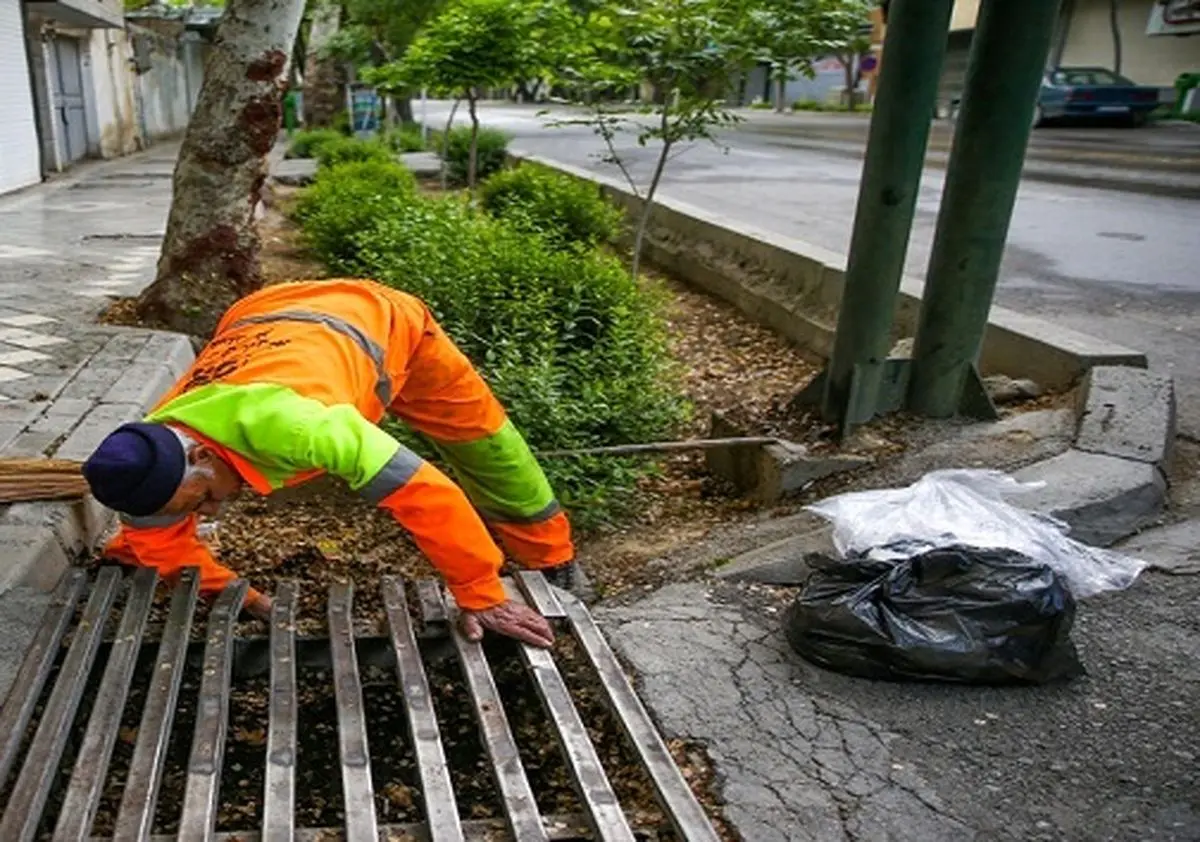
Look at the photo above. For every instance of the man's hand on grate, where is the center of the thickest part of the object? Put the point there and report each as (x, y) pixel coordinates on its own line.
(511, 619)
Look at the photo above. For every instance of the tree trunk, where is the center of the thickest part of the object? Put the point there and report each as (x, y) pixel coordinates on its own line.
(780, 87)
(324, 77)
(446, 140)
(473, 155)
(848, 71)
(404, 110)
(643, 223)
(210, 251)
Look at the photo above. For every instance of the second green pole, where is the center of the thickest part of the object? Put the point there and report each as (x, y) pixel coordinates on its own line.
(1004, 73)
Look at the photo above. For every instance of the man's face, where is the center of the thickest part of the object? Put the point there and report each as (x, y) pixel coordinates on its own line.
(209, 482)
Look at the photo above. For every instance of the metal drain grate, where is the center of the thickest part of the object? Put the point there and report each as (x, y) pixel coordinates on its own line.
(29, 811)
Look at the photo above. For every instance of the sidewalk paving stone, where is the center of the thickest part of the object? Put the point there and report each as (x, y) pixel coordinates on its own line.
(66, 250)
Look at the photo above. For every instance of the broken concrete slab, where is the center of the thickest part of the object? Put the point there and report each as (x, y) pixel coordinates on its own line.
(786, 468)
(1003, 389)
(1103, 498)
(1128, 412)
(770, 472)
(780, 562)
(1173, 549)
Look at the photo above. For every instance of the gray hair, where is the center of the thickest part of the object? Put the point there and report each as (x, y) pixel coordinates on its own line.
(191, 470)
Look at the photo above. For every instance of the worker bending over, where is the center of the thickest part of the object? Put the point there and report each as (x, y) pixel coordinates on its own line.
(292, 386)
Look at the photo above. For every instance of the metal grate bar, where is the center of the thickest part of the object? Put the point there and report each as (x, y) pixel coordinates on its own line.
(684, 811)
(519, 805)
(441, 807)
(198, 819)
(136, 815)
(566, 827)
(540, 595)
(587, 773)
(433, 607)
(357, 791)
(279, 791)
(24, 809)
(35, 669)
(91, 766)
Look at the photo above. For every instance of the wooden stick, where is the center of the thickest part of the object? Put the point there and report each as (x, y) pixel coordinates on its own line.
(663, 447)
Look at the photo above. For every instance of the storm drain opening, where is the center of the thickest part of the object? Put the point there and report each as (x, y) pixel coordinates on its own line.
(127, 722)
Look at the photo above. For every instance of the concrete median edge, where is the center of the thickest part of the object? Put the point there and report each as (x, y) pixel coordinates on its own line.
(795, 288)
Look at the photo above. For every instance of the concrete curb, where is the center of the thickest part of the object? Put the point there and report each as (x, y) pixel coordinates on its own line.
(40, 540)
(1110, 485)
(795, 288)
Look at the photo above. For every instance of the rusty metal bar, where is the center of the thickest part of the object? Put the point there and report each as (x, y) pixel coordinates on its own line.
(91, 766)
(35, 669)
(197, 822)
(520, 808)
(24, 809)
(560, 827)
(136, 814)
(540, 595)
(441, 807)
(357, 790)
(681, 806)
(279, 790)
(587, 773)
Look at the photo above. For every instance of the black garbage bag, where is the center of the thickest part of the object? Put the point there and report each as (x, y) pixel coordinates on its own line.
(958, 614)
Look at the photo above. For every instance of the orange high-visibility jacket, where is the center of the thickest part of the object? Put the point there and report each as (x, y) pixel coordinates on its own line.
(292, 386)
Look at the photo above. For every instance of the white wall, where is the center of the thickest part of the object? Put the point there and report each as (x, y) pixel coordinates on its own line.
(115, 132)
(20, 161)
(168, 88)
(1147, 60)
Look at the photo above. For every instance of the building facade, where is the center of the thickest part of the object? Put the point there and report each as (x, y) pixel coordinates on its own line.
(81, 81)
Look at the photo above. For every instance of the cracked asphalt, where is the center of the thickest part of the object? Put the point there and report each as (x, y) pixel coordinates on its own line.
(806, 754)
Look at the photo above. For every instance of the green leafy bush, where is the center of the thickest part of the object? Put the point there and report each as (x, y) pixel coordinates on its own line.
(565, 210)
(344, 150)
(347, 199)
(815, 105)
(490, 157)
(572, 346)
(406, 138)
(306, 143)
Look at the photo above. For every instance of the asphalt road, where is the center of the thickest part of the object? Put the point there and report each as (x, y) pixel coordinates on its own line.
(1121, 266)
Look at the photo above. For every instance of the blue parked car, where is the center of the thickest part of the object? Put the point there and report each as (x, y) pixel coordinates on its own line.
(1092, 94)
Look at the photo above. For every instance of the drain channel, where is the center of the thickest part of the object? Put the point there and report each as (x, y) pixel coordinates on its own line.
(81, 680)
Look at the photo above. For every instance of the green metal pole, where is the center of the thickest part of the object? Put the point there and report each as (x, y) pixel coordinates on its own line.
(904, 104)
(1008, 56)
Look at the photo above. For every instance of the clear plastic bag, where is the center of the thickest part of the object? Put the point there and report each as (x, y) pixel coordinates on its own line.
(968, 508)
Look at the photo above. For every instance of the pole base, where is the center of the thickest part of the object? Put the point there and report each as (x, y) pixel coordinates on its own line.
(888, 394)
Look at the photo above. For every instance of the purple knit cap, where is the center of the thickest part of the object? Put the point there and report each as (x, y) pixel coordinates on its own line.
(137, 468)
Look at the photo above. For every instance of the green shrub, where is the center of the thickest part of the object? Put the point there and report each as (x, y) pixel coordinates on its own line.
(762, 105)
(347, 199)
(574, 349)
(406, 138)
(565, 210)
(306, 143)
(815, 105)
(344, 150)
(490, 157)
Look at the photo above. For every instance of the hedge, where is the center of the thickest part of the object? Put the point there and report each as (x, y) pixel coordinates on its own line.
(565, 210)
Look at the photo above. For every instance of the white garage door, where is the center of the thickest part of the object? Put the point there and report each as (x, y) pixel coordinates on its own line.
(19, 161)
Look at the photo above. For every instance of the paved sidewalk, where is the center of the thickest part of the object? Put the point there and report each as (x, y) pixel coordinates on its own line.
(67, 248)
